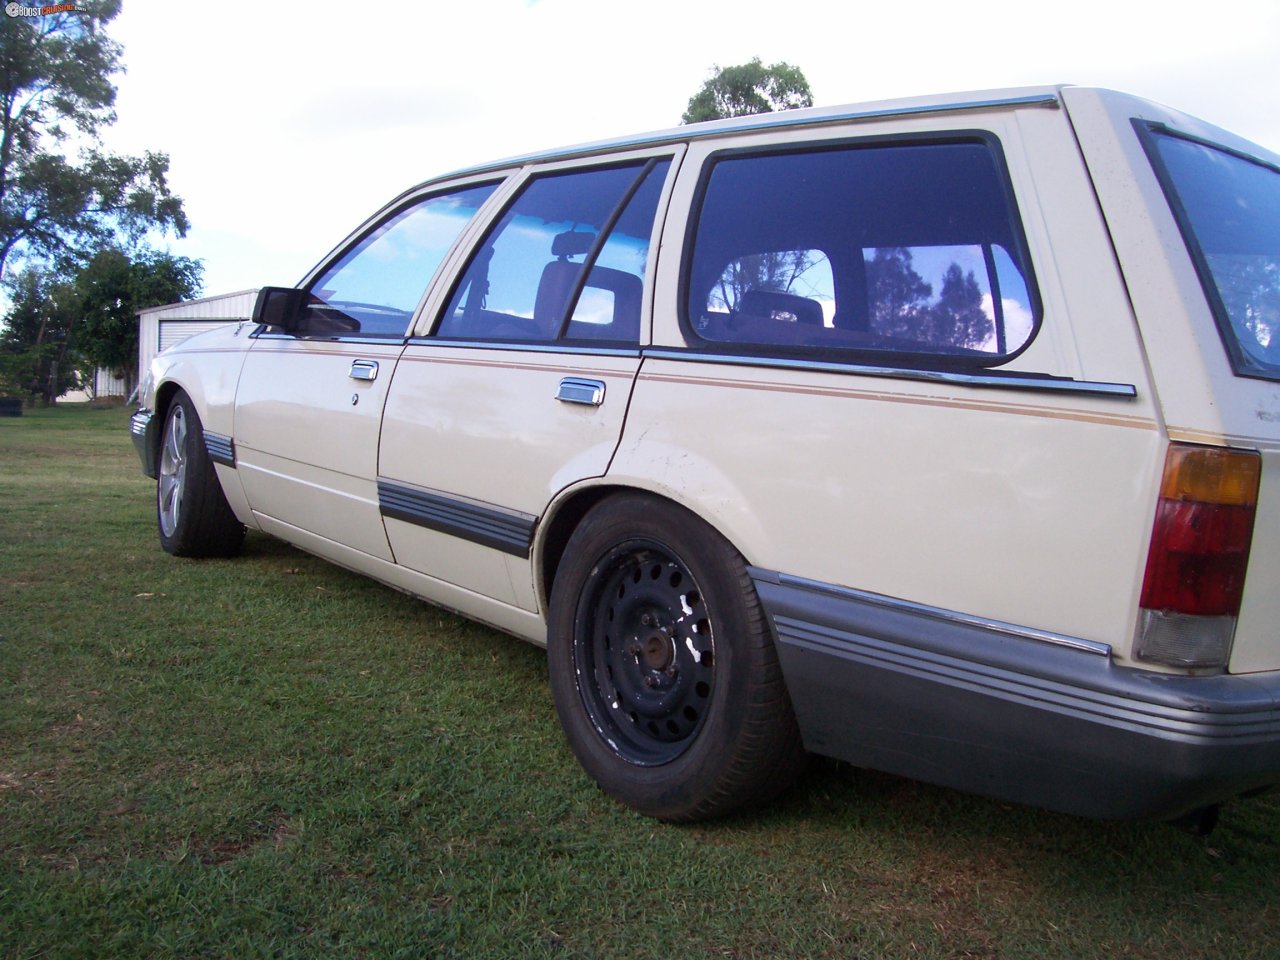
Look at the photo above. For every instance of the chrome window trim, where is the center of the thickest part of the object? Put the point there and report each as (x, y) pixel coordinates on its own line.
(261, 334)
(941, 614)
(549, 346)
(1007, 381)
(780, 120)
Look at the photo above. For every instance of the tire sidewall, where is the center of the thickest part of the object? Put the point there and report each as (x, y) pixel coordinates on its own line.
(668, 788)
(206, 526)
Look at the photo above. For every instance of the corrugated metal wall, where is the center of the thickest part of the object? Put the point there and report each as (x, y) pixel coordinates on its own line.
(106, 385)
(175, 331)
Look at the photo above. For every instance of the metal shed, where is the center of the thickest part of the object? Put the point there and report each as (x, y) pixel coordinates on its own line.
(161, 327)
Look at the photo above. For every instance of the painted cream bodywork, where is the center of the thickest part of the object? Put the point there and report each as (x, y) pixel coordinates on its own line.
(486, 425)
(943, 495)
(483, 423)
(207, 368)
(1201, 399)
(1029, 507)
(307, 437)
(861, 483)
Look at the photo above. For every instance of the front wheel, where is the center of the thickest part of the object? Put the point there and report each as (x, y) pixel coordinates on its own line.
(663, 667)
(192, 512)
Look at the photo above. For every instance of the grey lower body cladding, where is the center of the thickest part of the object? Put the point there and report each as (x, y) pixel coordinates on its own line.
(914, 691)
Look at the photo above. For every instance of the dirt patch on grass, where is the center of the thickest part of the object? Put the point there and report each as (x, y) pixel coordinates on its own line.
(275, 833)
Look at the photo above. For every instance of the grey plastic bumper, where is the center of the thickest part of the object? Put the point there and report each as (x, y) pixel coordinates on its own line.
(142, 428)
(993, 710)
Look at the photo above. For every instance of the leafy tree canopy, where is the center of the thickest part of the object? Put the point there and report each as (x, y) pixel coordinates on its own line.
(59, 325)
(903, 304)
(113, 287)
(747, 89)
(35, 339)
(61, 196)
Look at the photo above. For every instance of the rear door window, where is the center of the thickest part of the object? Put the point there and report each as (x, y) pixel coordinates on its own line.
(910, 251)
(1228, 208)
(565, 262)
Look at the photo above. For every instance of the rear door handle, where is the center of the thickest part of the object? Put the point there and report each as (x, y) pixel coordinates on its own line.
(364, 370)
(581, 390)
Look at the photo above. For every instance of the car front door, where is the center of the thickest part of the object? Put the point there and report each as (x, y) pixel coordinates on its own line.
(309, 402)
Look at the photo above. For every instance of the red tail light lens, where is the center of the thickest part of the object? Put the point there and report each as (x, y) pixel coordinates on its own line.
(1204, 525)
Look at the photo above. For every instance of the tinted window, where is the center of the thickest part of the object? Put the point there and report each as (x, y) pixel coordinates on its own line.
(910, 250)
(566, 261)
(375, 288)
(1229, 210)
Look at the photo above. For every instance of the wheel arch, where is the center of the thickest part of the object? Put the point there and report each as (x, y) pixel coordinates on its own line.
(228, 477)
(165, 393)
(569, 509)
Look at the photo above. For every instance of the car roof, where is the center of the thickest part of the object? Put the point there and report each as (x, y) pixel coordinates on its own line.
(1046, 96)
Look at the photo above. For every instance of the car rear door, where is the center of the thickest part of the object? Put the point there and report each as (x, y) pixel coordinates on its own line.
(519, 382)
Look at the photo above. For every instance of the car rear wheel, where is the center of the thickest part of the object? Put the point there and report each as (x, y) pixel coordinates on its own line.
(663, 667)
(191, 509)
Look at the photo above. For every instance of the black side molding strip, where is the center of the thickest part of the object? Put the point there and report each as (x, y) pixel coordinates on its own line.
(505, 530)
(221, 449)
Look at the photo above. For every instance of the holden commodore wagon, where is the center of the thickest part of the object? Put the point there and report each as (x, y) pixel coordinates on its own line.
(941, 436)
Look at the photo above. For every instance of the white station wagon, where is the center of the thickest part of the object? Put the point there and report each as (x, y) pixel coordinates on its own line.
(941, 436)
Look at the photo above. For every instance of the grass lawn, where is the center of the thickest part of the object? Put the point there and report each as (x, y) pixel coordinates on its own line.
(271, 757)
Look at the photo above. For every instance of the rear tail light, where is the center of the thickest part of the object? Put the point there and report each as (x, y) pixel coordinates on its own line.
(1199, 554)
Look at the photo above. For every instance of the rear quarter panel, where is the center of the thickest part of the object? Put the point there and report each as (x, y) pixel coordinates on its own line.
(1016, 505)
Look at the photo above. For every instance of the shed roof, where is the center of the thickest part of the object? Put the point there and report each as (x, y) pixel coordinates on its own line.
(225, 306)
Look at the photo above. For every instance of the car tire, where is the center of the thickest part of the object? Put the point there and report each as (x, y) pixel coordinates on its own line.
(192, 513)
(663, 667)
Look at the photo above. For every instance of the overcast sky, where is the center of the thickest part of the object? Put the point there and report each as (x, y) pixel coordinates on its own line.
(288, 123)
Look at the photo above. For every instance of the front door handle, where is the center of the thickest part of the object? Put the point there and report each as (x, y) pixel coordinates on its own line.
(581, 390)
(364, 370)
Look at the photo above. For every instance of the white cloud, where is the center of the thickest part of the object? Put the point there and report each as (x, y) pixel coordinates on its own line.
(287, 124)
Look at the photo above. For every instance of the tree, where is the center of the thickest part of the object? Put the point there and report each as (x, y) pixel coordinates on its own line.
(59, 326)
(899, 296)
(56, 93)
(747, 89)
(110, 291)
(775, 271)
(35, 344)
(958, 319)
(903, 303)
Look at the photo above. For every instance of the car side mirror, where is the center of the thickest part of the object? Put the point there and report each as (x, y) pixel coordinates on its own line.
(280, 307)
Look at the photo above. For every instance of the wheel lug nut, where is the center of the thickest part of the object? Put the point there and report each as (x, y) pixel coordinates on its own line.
(647, 619)
(650, 681)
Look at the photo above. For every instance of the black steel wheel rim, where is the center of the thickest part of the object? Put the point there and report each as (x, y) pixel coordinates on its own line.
(644, 652)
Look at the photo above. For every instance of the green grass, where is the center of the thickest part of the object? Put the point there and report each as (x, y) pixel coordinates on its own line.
(271, 757)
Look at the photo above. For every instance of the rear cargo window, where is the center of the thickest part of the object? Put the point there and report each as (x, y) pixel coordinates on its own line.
(1228, 207)
(905, 251)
